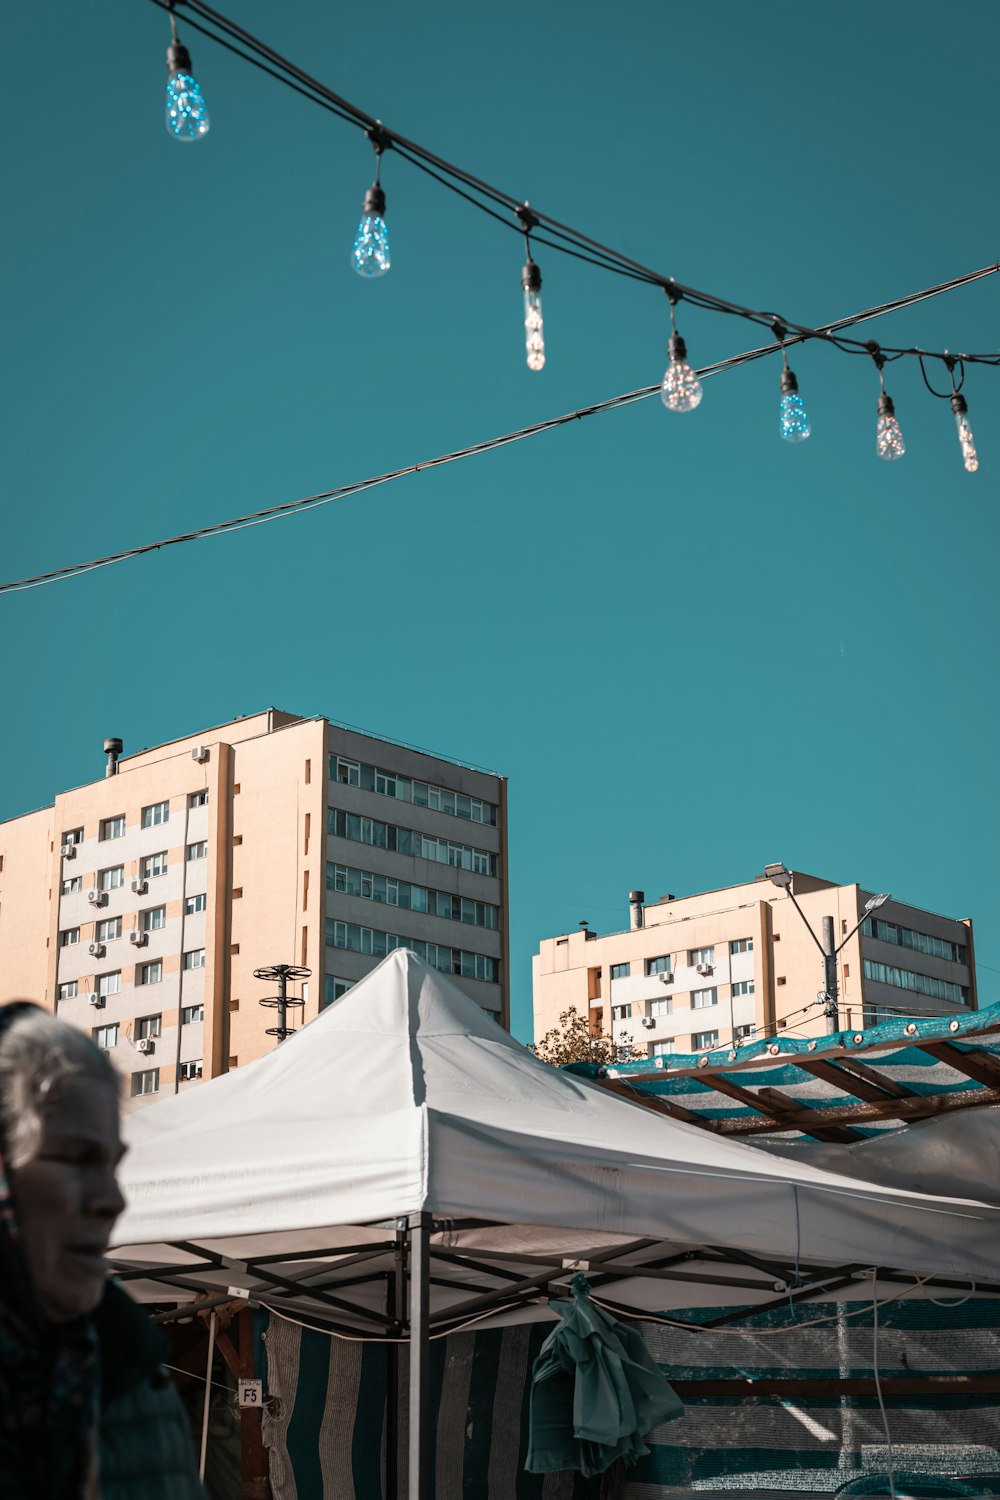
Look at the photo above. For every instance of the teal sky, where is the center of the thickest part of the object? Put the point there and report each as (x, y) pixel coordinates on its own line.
(692, 648)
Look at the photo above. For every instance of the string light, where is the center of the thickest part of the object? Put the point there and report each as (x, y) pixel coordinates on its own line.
(531, 281)
(965, 439)
(186, 113)
(681, 389)
(793, 418)
(370, 256)
(889, 442)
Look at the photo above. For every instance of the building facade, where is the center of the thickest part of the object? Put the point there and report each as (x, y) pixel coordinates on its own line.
(137, 907)
(695, 973)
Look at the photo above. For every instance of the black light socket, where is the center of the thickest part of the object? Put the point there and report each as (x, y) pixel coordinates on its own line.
(178, 58)
(374, 201)
(677, 349)
(885, 406)
(789, 384)
(959, 405)
(531, 277)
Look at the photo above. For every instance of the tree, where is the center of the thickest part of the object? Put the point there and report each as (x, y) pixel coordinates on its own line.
(573, 1041)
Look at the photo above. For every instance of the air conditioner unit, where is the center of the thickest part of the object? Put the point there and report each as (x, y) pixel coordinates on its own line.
(199, 753)
(96, 1000)
(666, 976)
(648, 1022)
(138, 938)
(139, 886)
(97, 950)
(96, 897)
(145, 1044)
(68, 851)
(704, 969)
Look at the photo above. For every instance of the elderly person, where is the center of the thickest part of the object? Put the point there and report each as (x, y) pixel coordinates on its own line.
(86, 1411)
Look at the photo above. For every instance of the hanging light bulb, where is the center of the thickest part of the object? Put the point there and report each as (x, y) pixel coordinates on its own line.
(888, 433)
(187, 114)
(370, 256)
(534, 329)
(794, 425)
(966, 441)
(681, 390)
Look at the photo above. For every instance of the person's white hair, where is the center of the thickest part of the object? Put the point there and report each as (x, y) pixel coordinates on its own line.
(37, 1052)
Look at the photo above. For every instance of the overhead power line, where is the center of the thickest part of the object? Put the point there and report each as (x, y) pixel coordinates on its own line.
(344, 492)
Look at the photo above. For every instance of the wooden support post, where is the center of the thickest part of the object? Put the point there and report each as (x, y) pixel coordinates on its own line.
(256, 1484)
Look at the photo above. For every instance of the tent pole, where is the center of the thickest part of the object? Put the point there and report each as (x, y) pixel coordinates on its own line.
(419, 1311)
(395, 1294)
(208, 1392)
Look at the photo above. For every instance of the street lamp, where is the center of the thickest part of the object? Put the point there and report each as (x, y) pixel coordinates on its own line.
(781, 876)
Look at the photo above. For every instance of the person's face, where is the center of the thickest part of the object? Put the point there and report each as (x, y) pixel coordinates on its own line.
(67, 1199)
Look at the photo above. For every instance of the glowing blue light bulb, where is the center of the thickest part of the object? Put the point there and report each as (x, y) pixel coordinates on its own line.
(795, 426)
(370, 256)
(187, 114)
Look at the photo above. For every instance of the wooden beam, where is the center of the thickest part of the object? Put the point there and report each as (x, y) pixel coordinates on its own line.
(873, 1076)
(773, 1103)
(918, 1108)
(806, 1119)
(976, 1065)
(255, 1483)
(859, 1084)
(657, 1102)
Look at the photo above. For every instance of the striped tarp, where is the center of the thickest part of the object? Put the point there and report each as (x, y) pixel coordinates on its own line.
(326, 1418)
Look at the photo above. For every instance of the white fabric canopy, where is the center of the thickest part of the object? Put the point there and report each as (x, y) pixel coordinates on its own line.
(404, 1097)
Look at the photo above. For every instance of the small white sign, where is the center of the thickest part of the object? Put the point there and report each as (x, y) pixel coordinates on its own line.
(251, 1393)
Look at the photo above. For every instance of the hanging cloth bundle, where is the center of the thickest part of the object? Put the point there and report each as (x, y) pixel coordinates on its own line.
(595, 1391)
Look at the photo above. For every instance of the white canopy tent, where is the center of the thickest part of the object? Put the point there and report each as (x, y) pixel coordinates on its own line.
(402, 1166)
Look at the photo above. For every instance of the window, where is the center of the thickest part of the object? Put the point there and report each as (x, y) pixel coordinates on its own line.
(620, 971)
(661, 1007)
(371, 940)
(704, 1041)
(111, 879)
(194, 958)
(742, 1033)
(154, 919)
(390, 892)
(112, 828)
(621, 1012)
(154, 865)
(198, 850)
(198, 799)
(147, 1027)
(333, 988)
(741, 945)
(72, 836)
(919, 984)
(71, 886)
(106, 1036)
(154, 814)
(68, 991)
(743, 987)
(109, 983)
(150, 973)
(192, 1013)
(194, 904)
(874, 1015)
(147, 1082)
(188, 1070)
(108, 930)
(703, 956)
(662, 1049)
(408, 841)
(919, 942)
(702, 999)
(404, 789)
(69, 936)
(661, 965)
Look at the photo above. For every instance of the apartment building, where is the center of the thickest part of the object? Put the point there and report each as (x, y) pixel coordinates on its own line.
(138, 906)
(695, 973)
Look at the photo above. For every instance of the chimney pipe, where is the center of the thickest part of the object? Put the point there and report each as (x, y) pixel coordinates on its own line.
(112, 749)
(636, 913)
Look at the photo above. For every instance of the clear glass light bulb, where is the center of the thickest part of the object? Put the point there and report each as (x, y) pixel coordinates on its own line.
(681, 389)
(794, 419)
(187, 114)
(370, 256)
(967, 442)
(888, 433)
(534, 330)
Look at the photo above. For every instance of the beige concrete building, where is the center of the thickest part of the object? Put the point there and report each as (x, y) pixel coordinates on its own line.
(698, 972)
(138, 906)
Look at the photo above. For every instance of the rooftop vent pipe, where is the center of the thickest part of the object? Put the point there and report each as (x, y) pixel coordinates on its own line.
(112, 749)
(636, 914)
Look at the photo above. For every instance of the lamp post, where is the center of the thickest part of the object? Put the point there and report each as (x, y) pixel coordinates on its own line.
(282, 1001)
(780, 876)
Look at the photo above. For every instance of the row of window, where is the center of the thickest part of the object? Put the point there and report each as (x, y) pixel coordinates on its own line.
(700, 1000)
(391, 892)
(153, 919)
(112, 878)
(664, 963)
(146, 1027)
(701, 1041)
(920, 984)
(151, 816)
(407, 841)
(405, 789)
(918, 942)
(148, 1081)
(110, 982)
(371, 940)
